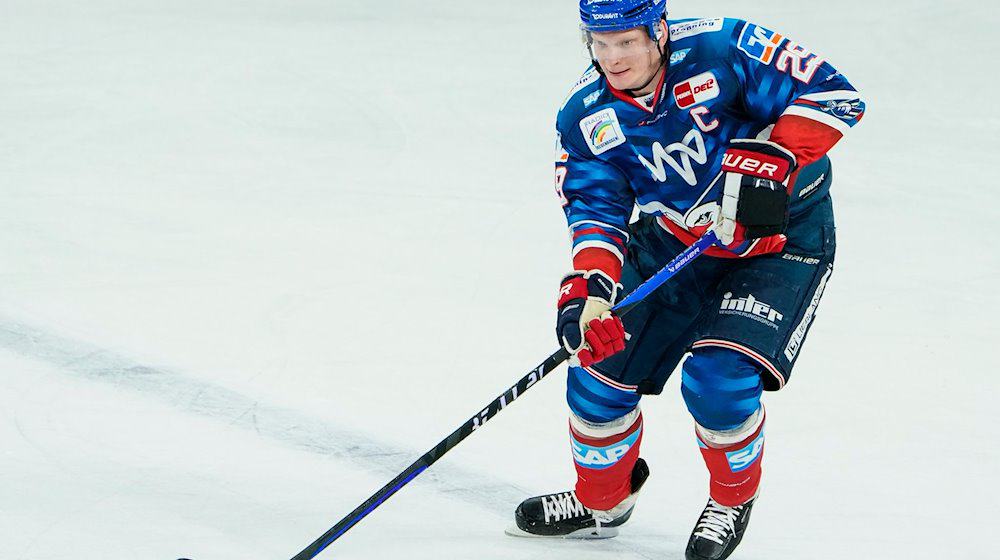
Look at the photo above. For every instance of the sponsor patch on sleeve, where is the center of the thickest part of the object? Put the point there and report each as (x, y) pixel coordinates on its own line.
(691, 28)
(699, 89)
(759, 43)
(589, 77)
(592, 98)
(677, 57)
(602, 131)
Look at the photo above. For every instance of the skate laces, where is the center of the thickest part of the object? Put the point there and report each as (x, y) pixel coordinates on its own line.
(558, 507)
(717, 522)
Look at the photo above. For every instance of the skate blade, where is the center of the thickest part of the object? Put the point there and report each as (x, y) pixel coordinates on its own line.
(592, 533)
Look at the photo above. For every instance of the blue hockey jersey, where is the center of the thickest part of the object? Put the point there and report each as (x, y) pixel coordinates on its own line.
(726, 79)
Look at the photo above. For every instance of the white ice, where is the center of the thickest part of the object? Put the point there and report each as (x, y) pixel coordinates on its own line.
(256, 256)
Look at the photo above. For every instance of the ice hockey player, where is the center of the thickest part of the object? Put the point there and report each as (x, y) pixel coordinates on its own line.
(700, 123)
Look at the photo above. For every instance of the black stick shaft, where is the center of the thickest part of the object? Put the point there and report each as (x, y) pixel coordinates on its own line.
(429, 458)
(498, 404)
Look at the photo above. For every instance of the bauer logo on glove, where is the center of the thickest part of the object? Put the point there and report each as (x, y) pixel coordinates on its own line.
(755, 191)
(585, 325)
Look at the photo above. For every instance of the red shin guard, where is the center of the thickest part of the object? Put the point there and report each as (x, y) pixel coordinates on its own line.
(604, 463)
(735, 469)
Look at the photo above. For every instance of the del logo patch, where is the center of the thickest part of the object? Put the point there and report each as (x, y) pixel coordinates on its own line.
(602, 131)
(699, 89)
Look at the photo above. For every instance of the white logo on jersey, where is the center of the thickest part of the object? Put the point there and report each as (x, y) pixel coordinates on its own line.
(686, 152)
(602, 131)
(592, 98)
(678, 56)
(692, 28)
(752, 308)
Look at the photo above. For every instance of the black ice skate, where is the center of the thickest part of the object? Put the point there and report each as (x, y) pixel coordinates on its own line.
(718, 532)
(563, 516)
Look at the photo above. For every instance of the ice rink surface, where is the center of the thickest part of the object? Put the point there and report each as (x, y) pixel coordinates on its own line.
(257, 256)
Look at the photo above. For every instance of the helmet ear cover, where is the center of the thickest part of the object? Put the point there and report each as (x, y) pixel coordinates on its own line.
(656, 30)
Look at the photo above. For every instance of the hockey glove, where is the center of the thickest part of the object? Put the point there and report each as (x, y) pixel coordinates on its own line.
(586, 327)
(755, 193)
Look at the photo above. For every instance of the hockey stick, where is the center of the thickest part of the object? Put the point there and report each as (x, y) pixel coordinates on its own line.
(494, 408)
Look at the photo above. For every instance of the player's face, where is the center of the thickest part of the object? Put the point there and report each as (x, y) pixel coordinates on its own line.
(628, 58)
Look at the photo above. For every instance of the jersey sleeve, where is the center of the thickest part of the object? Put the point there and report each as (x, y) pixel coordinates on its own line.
(597, 201)
(812, 104)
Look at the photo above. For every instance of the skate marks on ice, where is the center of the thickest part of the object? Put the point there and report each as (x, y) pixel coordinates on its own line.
(284, 426)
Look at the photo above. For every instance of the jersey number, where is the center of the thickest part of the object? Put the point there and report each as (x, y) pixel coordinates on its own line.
(560, 179)
(799, 62)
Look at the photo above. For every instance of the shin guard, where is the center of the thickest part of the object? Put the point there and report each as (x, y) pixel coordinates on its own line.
(734, 460)
(604, 456)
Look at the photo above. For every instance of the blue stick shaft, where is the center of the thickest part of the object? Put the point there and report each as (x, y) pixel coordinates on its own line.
(667, 272)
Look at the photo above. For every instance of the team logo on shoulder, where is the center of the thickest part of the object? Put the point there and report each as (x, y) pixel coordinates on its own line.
(847, 109)
(691, 28)
(759, 43)
(602, 131)
(699, 89)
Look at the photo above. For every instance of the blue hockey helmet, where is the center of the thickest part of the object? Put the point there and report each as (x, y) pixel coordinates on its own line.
(621, 15)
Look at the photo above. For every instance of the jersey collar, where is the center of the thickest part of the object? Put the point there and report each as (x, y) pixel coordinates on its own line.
(635, 102)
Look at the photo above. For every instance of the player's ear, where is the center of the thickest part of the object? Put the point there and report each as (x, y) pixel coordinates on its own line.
(664, 33)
